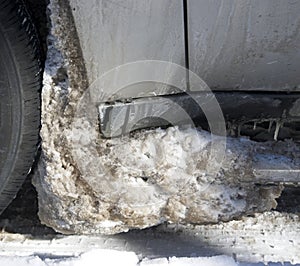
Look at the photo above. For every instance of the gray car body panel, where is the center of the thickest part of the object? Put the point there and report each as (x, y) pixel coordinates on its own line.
(113, 33)
(233, 45)
(245, 45)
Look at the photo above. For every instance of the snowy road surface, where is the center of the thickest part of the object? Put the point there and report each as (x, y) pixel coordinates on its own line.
(112, 257)
(270, 237)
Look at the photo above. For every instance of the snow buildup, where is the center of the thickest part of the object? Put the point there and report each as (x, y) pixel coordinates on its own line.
(87, 184)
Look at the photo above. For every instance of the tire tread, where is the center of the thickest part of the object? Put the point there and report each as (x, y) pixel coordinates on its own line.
(20, 32)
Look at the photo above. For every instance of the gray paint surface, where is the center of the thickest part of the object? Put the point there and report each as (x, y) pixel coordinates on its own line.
(115, 32)
(233, 45)
(245, 45)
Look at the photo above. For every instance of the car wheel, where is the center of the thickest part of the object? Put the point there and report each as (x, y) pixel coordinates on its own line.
(20, 83)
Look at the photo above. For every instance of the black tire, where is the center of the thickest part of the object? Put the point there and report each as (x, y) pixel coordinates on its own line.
(20, 83)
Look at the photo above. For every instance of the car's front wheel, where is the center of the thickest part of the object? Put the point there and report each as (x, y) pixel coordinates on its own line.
(20, 82)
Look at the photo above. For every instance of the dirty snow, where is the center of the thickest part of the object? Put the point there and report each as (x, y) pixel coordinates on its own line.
(87, 184)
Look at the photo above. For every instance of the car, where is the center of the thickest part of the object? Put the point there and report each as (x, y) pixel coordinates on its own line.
(230, 67)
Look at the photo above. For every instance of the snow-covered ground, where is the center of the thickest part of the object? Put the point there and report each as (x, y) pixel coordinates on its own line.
(112, 257)
(266, 239)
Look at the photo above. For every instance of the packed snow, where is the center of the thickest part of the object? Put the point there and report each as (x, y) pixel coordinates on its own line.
(113, 257)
